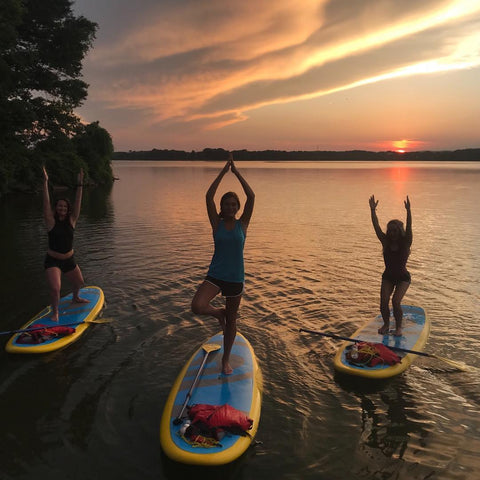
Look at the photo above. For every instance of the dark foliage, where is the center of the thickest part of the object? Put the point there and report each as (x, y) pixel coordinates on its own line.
(472, 154)
(42, 46)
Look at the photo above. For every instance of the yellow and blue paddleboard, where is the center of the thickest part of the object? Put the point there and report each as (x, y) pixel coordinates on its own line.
(415, 331)
(75, 315)
(241, 390)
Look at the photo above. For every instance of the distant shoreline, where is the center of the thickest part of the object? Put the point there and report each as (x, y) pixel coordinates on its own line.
(465, 155)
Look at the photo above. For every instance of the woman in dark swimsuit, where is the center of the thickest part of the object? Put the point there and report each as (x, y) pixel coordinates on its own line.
(60, 223)
(396, 244)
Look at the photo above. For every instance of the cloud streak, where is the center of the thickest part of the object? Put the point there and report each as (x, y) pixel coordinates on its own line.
(210, 64)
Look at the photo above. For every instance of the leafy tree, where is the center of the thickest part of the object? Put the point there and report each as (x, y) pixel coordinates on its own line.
(45, 66)
(94, 146)
(10, 18)
(42, 45)
(61, 160)
(214, 154)
(10, 14)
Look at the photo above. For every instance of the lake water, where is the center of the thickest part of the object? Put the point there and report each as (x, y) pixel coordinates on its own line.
(312, 260)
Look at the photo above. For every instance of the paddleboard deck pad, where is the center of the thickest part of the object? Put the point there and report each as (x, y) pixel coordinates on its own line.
(415, 331)
(241, 390)
(75, 316)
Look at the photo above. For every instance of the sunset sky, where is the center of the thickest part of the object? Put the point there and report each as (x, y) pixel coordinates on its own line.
(286, 74)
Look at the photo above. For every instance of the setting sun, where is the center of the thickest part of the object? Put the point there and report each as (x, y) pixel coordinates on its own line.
(400, 146)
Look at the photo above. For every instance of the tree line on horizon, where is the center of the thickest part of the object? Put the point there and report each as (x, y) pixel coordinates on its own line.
(220, 154)
(42, 47)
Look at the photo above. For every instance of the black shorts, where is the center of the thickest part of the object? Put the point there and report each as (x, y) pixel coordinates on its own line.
(397, 279)
(65, 266)
(228, 289)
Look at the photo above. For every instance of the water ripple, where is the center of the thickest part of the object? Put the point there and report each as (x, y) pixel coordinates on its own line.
(312, 261)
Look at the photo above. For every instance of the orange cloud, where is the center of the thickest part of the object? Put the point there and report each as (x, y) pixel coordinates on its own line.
(231, 30)
(212, 63)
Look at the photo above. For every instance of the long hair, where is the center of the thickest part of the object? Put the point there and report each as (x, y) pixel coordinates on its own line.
(224, 197)
(69, 208)
(401, 240)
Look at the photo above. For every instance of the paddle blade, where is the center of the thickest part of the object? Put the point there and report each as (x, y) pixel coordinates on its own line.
(459, 365)
(99, 320)
(211, 347)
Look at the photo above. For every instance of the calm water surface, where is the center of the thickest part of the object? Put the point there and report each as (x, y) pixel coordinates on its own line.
(312, 260)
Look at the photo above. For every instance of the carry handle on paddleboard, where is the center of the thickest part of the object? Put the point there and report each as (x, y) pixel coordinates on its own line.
(208, 347)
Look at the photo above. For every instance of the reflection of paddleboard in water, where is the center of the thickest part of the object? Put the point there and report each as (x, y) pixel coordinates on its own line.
(415, 330)
(241, 390)
(73, 315)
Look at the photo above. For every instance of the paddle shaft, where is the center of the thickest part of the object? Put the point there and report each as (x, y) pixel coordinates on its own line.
(356, 340)
(189, 394)
(26, 330)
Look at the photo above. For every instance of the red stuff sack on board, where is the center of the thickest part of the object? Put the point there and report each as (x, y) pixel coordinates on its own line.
(367, 354)
(385, 355)
(41, 333)
(201, 412)
(61, 331)
(229, 417)
(224, 417)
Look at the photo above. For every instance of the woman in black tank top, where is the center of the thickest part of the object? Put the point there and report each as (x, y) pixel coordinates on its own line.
(396, 244)
(60, 222)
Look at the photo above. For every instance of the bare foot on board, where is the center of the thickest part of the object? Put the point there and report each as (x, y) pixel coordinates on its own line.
(227, 369)
(383, 330)
(80, 300)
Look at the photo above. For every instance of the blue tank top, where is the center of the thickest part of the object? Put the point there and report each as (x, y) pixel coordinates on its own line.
(227, 262)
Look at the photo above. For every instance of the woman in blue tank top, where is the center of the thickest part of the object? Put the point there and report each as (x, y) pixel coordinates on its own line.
(60, 222)
(226, 272)
(396, 243)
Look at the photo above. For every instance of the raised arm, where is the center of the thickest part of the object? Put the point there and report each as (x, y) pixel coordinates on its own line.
(248, 210)
(78, 199)
(373, 207)
(211, 208)
(47, 208)
(408, 227)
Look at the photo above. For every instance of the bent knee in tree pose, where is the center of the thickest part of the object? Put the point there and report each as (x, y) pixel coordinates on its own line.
(226, 273)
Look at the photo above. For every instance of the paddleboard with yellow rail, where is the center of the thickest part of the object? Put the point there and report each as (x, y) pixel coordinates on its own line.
(241, 390)
(415, 331)
(77, 316)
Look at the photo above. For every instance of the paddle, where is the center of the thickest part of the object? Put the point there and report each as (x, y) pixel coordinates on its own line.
(460, 366)
(208, 347)
(94, 320)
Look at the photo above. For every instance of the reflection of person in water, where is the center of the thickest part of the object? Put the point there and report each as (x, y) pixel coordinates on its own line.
(60, 223)
(396, 279)
(391, 434)
(226, 272)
